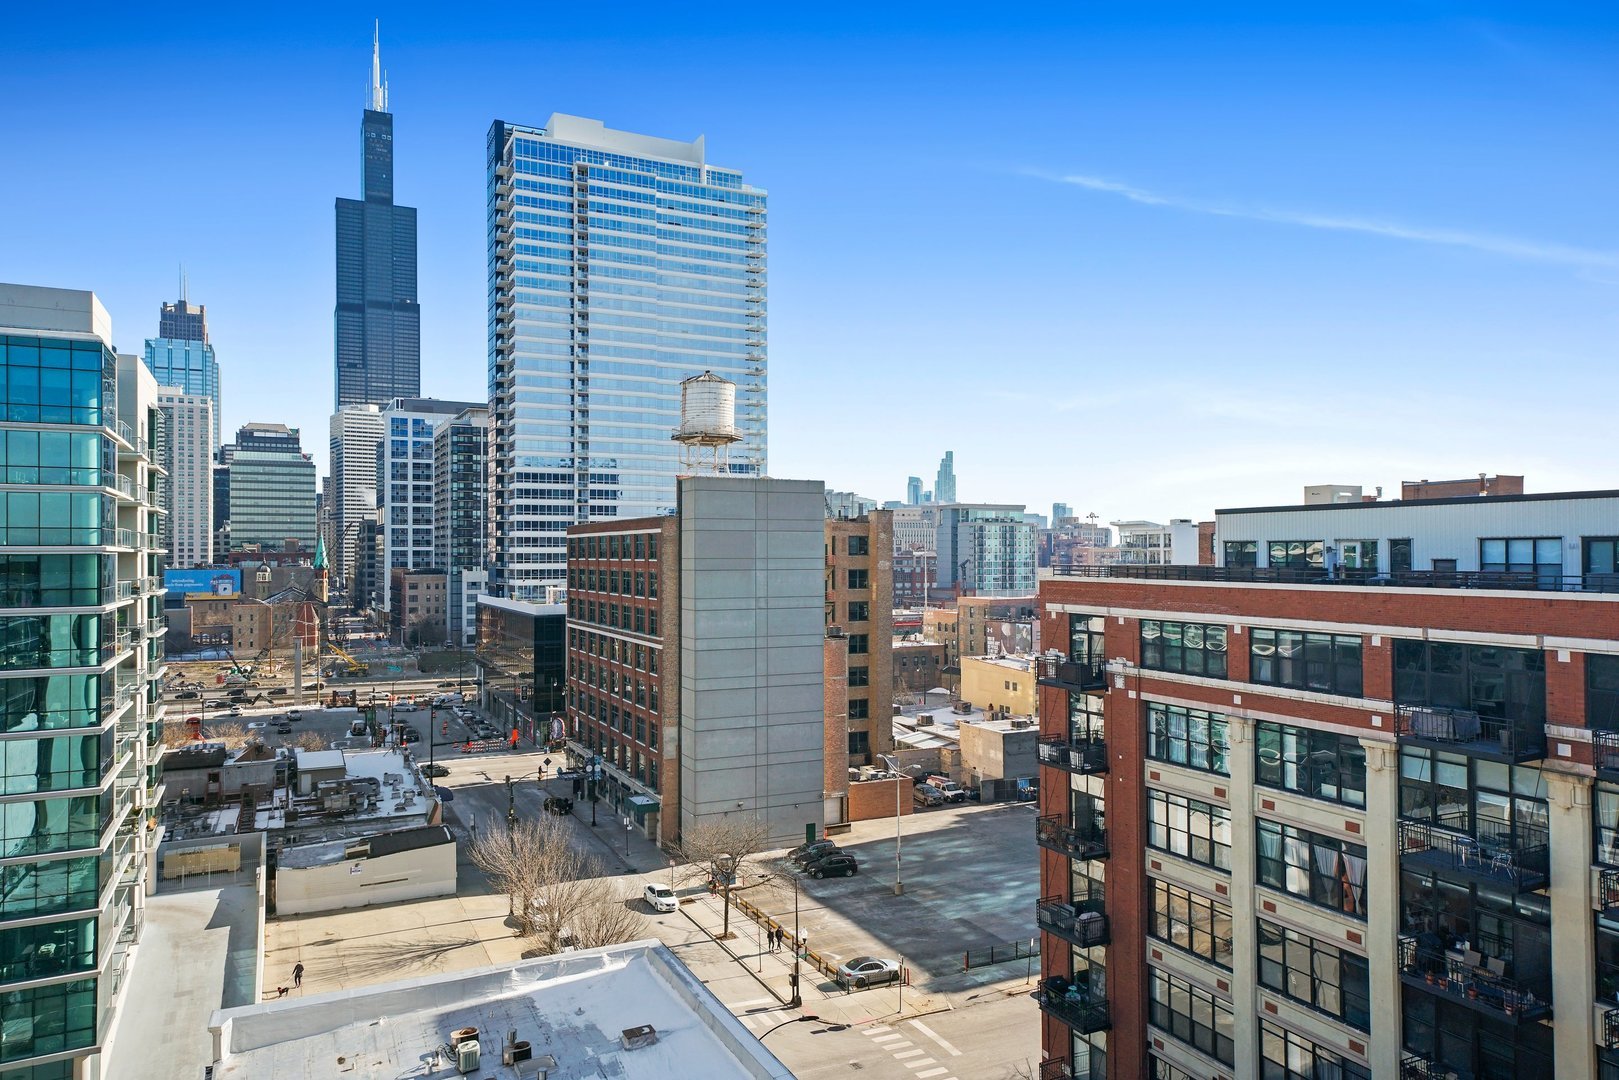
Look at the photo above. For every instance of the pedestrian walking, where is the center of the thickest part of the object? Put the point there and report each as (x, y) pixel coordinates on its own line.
(781, 936)
(298, 974)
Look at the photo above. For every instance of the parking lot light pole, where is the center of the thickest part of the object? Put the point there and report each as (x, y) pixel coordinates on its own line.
(899, 886)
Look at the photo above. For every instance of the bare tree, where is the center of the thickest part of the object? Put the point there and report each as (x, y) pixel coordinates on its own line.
(558, 896)
(307, 740)
(718, 850)
(179, 734)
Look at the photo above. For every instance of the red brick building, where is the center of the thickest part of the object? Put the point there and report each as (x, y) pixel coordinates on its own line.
(1345, 804)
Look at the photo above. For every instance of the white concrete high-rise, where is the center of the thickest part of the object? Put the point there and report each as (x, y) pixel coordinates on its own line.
(405, 484)
(356, 434)
(188, 453)
(619, 265)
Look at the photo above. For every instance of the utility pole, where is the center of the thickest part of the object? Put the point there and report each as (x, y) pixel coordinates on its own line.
(899, 886)
(511, 805)
(798, 949)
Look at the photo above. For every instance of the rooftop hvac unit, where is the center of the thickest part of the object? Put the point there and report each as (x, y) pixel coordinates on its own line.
(924, 720)
(466, 1056)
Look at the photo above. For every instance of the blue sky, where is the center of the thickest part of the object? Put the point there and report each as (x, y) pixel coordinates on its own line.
(1145, 259)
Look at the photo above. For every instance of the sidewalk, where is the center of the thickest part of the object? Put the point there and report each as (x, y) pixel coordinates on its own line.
(820, 994)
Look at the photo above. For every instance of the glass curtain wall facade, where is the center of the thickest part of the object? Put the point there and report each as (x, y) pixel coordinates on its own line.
(182, 356)
(80, 651)
(460, 445)
(619, 265)
(270, 489)
(377, 319)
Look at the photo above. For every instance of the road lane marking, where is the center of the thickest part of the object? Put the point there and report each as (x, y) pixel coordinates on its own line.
(908, 1054)
(919, 1064)
(890, 1039)
(930, 1033)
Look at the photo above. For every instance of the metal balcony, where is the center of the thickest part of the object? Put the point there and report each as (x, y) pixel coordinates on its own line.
(1605, 754)
(1056, 1069)
(1518, 858)
(1419, 1067)
(1086, 1016)
(1608, 892)
(1082, 840)
(1063, 674)
(1082, 922)
(1448, 975)
(1082, 758)
(1466, 732)
(1610, 1029)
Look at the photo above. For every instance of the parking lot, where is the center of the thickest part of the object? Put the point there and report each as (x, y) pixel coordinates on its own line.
(971, 878)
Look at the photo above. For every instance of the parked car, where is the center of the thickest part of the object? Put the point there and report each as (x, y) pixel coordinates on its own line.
(808, 853)
(407, 707)
(186, 695)
(277, 691)
(295, 714)
(235, 710)
(556, 804)
(833, 864)
(283, 729)
(927, 795)
(862, 971)
(410, 735)
(952, 791)
(216, 703)
(433, 768)
(660, 898)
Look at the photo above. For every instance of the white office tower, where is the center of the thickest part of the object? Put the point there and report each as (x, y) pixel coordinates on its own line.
(188, 453)
(619, 266)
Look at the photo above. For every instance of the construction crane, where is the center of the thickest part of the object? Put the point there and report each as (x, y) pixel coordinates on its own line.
(354, 666)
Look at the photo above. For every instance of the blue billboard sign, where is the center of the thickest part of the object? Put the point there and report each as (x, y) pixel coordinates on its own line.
(212, 582)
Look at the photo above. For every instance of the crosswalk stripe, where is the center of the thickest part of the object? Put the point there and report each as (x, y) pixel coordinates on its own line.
(878, 1029)
(932, 1072)
(934, 1035)
(919, 1064)
(909, 1054)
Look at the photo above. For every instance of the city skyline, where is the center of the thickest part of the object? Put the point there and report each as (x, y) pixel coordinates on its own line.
(1292, 217)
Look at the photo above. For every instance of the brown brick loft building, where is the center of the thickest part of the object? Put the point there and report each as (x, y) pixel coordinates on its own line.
(1344, 804)
(860, 610)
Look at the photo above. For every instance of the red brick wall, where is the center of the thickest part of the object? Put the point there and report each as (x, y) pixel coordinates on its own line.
(872, 799)
(835, 714)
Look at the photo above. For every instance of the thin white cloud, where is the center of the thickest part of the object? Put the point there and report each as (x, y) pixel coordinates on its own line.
(1507, 246)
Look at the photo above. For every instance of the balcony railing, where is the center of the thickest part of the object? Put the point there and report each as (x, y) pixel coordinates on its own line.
(1610, 1029)
(1056, 1069)
(1482, 989)
(1082, 922)
(1608, 892)
(1073, 1006)
(1497, 855)
(1084, 839)
(1404, 579)
(124, 590)
(1070, 674)
(1420, 1067)
(1465, 731)
(1089, 757)
(1605, 753)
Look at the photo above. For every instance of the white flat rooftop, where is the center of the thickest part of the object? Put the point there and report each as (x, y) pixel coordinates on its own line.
(573, 1007)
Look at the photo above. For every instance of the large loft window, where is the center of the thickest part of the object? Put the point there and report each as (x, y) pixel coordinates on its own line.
(1316, 764)
(1324, 870)
(1541, 556)
(1602, 692)
(1191, 738)
(1315, 973)
(1297, 554)
(1495, 682)
(1326, 663)
(1189, 648)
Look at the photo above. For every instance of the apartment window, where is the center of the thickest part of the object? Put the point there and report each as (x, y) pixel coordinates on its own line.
(640, 547)
(652, 547)
(1286, 1056)
(1324, 870)
(1318, 764)
(1087, 639)
(640, 583)
(859, 579)
(1189, 737)
(1602, 692)
(1495, 682)
(652, 585)
(1541, 556)
(1315, 973)
(1189, 828)
(859, 644)
(859, 709)
(1400, 556)
(860, 743)
(1600, 561)
(1194, 923)
(1191, 648)
(859, 676)
(1243, 553)
(1328, 663)
(1159, 1069)
(859, 545)
(1297, 554)
(859, 611)
(1192, 1015)
(1504, 805)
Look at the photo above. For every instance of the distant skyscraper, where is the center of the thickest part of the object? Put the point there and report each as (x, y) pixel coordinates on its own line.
(181, 355)
(913, 491)
(356, 442)
(460, 506)
(187, 451)
(1059, 511)
(944, 485)
(405, 485)
(630, 263)
(271, 488)
(378, 324)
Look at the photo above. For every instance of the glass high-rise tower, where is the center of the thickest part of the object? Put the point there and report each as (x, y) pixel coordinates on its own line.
(619, 265)
(182, 356)
(377, 321)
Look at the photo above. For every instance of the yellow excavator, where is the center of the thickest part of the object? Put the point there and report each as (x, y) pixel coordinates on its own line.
(354, 666)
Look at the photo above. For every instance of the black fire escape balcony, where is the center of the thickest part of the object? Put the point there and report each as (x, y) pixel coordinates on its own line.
(1083, 837)
(1071, 1004)
(1464, 981)
(1608, 892)
(1463, 731)
(1056, 1069)
(1082, 922)
(1610, 1030)
(1605, 754)
(1518, 858)
(1420, 1067)
(1083, 758)
(1087, 676)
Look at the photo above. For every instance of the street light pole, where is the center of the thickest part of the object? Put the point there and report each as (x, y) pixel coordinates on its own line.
(797, 948)
(899, 886)
(511, 805)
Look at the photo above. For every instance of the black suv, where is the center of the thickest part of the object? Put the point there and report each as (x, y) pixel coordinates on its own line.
(834, 864)
(808, 853)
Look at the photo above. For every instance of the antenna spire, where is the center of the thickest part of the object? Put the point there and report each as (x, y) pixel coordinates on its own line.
(379, 90)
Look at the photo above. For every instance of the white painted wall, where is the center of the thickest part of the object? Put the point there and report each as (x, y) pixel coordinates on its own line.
(387, 879)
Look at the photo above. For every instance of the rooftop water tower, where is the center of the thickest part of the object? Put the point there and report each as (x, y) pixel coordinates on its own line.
(707, 424)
